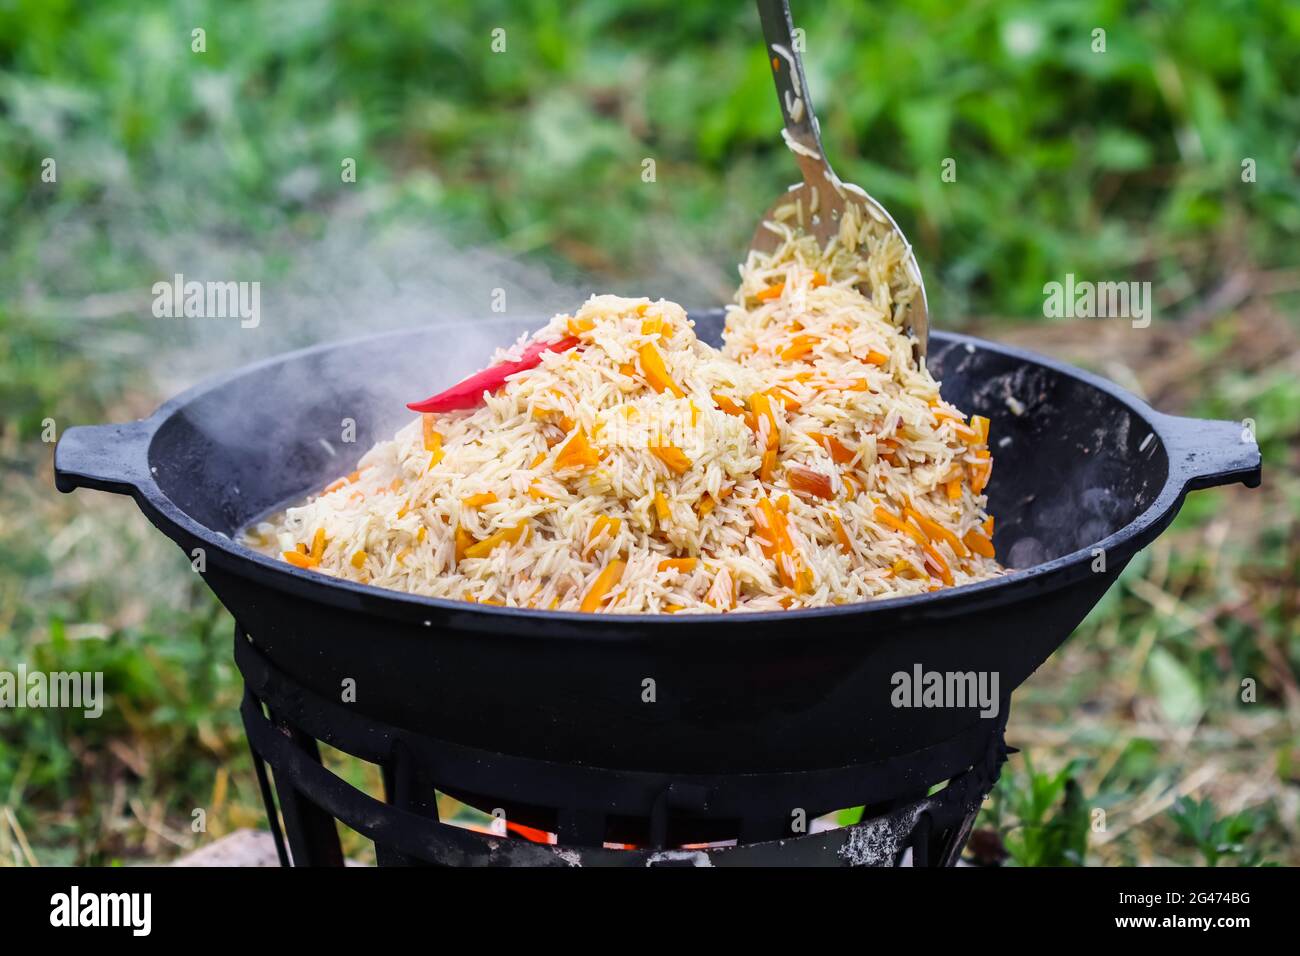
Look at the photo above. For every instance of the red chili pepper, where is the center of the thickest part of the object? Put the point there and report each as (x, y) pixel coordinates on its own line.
(528, 833)
(469, 393)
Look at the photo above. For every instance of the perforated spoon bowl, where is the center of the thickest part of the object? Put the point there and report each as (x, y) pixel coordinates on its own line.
(822, 199)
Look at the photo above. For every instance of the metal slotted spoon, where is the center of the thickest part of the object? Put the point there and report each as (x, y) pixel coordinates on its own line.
(822, 198)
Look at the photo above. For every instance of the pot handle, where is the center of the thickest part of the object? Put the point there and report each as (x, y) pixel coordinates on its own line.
(105, 457)
(1207, 453)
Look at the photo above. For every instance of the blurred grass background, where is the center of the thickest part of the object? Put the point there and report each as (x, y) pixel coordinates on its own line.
(1116, 166)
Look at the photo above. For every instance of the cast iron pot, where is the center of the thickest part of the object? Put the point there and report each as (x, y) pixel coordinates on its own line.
(1085, 476)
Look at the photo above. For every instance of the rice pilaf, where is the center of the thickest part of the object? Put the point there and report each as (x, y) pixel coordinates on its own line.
(809, 462)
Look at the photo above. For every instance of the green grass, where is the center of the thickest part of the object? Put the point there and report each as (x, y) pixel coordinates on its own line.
(1123, 165)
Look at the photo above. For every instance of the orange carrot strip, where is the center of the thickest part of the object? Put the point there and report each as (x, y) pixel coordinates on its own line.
(906, 568)
(299, 560)
(577, 453)
(728, 405)
(977, 542)
(770, 293)
(463, 542)
(684, 565)
(765, 518)
(506, 535)
(785, 397)
(605, 581)
(318, 545)
(656, 373)
(806, 481)
(761, 413)
(432, 441)
(777, 545)
(937, 532)
(934, 558)
(893, 521)
(799, 346)
(672, 457)
(599, 527)
(479, 500)
(803, 579)
(841, 534)
(840, 453)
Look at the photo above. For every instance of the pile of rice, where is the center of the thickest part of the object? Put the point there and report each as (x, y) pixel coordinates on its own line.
(810, 462)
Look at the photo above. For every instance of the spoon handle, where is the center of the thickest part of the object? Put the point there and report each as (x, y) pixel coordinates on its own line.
(792, 87)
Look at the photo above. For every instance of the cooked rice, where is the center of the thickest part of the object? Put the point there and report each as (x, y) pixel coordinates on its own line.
(810, 462)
